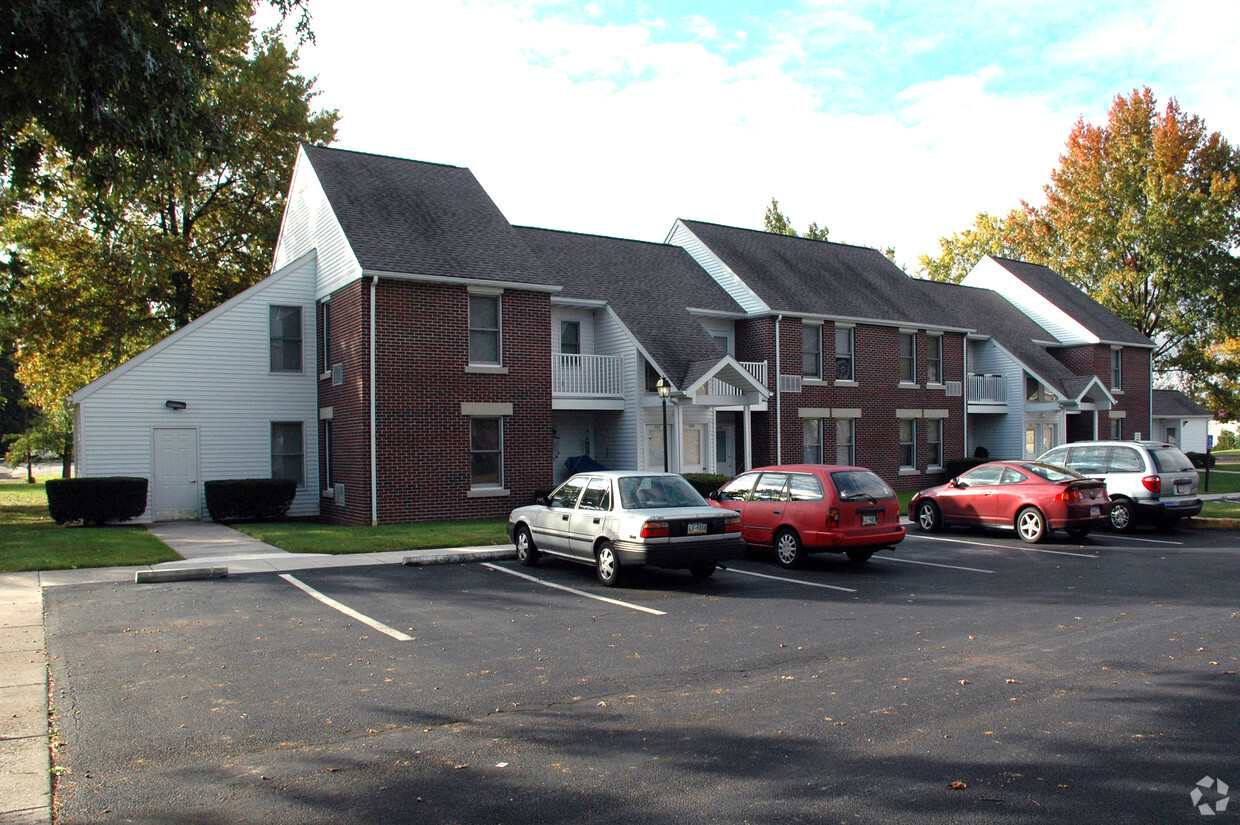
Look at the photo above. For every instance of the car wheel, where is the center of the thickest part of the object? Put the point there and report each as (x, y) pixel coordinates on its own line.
(1122, 516)
(929, 519)
(527, 553)
(1078, 532)
(858, 556)
(1031, 525)
(607, 565)
(788, 549)
(702, 571)
(1167, 524)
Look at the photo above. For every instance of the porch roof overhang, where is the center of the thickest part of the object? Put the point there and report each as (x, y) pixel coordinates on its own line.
(729, 371)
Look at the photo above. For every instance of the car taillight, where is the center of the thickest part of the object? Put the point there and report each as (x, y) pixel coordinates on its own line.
(1070, 495)
(655, 530)
(1152, 483)
(732, 525)
(833, 517)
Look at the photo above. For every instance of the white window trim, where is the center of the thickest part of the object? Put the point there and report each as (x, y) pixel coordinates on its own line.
(487, 490)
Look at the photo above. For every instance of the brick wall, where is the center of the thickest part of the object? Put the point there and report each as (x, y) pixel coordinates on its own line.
(878, 395)
(350, 402)
(1134, 399)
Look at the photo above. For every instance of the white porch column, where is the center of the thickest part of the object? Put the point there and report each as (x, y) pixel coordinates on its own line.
(748, 440)
(678, 439)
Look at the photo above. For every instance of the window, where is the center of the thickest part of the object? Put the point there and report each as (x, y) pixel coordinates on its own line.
(845, 441)
(652, 378)
(326, 447)
(1117, 368)
(288, 454)
(566, 495)
(327, 336)
(738, 488)
(934, 359)
(1117, 429)
(804, 487)
(597, 495)
(844, 354)
(908, 447)
(570, 337)
(770, 487)
(484, 342)
(934, 442)
(486, 452)
(908, 357)
(812, 434)
(984, 476)
(811, 351)
(285, 328)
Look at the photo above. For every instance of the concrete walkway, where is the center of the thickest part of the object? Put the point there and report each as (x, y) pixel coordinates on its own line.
(25, 754)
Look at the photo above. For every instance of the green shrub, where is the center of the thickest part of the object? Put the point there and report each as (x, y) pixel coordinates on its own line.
(707, 483)
(252, 499)
(955, 466)
(96, 500)
(1227, 440)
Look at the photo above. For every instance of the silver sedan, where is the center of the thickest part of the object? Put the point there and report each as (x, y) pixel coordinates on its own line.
(617, 519)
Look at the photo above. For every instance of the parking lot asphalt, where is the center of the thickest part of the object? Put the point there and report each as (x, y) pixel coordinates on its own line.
(966, 677)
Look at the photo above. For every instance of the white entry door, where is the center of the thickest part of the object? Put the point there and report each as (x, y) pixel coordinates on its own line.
(175, 485)
(693, 452)
(725, 449)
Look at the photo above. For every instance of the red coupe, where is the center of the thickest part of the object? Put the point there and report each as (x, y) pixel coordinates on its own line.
(1026, 496)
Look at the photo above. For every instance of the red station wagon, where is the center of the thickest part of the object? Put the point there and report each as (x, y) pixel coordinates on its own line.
(813, 508)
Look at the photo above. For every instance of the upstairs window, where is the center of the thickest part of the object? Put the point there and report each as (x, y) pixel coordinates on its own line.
(934, 359)
(1117, 368)
(327, 336)
(284, 324)
(811, 351)
(844, 354)
(908, 357)
(484, 340)
(570, 337)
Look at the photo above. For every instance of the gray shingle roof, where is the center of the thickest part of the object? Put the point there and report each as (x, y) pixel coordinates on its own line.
(1089, 313)
(420, 218)
(1173, 404)
(650, 286)
(808, 277)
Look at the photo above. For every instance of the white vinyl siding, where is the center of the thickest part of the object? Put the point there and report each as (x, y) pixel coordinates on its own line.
(625, 438)
(310, 225)
(748, 299)
(219, 366)
(990, 274)
(1001, 434)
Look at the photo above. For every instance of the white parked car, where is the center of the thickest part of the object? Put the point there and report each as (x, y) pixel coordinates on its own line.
(617, 519)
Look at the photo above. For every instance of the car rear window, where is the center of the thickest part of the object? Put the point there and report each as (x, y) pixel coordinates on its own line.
(1170, 460)
(860, 484)
(1126, 460)
(642, 492)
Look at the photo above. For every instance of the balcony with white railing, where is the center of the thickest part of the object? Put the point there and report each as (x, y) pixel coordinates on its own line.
(755, 368)
(987, 390)
(586, 376)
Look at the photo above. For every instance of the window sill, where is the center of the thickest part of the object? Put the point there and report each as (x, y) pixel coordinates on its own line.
(814, 382)
(324, 376)
(909, 385)
(933, 468)
(930, 386)
(1116, 391)
(328, 494)
(909, 471)
(488, 492)
(486, 369)
(842, 383)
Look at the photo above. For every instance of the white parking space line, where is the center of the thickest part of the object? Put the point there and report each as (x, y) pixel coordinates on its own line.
(1008, 547)
(932, 564)
(1134, 538)
(793, 581)
(348, 611)
(554, 586)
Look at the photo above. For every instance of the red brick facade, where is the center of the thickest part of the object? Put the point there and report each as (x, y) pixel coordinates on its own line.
(877, 394)
(1132, 398)
(422, 381)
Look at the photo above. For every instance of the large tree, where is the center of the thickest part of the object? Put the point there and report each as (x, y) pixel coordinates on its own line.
(1143, 213)
(101, 76)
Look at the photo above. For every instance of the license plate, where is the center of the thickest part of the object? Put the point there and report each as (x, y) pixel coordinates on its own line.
(869, 519)
(1095, 512)
(697, 528)
(1182, 489)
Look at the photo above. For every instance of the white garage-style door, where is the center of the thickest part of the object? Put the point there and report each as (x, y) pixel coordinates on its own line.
(175, 485)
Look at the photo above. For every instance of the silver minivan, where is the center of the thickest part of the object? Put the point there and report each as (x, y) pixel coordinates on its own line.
(1148, 481)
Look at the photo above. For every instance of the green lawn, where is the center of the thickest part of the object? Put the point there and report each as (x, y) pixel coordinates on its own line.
(312, 537)
(30, 540)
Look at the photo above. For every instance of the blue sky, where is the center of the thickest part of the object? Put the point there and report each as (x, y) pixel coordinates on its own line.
(893, 123)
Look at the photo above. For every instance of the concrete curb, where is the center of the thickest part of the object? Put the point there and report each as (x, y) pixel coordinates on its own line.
(179, 574)
(1211, 523)
(460, 557)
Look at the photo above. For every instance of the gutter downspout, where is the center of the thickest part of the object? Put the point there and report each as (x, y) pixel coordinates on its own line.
(779, 424)
(964, 343)
(374, 460)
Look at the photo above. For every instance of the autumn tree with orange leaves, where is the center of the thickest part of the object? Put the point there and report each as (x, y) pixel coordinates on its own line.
(1143, 213)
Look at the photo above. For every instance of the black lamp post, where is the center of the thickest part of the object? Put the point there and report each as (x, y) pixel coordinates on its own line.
(664, 389)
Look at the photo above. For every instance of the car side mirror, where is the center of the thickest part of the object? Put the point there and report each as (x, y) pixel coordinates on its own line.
(713, 495)
(959, 484)
(542, 500)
